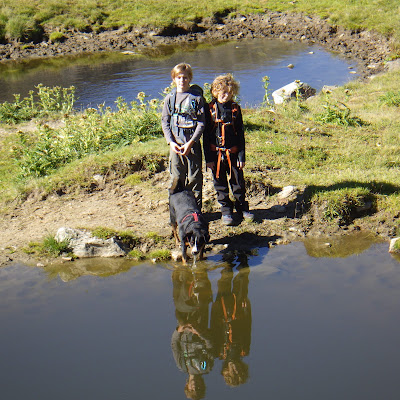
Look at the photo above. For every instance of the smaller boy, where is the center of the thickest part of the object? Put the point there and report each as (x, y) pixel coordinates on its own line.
(224, 149)
(183, 122)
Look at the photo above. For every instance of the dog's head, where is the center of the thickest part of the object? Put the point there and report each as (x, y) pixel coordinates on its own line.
(196, 240)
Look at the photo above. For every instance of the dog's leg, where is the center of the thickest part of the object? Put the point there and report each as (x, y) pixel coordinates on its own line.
(184, 253)
(201, 253)
(175, 232)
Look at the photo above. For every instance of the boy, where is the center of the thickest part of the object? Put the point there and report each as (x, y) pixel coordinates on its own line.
(183, 122)
(224, 148)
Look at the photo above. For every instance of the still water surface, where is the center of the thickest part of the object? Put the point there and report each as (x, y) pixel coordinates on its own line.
(293, 326)
(102, 78)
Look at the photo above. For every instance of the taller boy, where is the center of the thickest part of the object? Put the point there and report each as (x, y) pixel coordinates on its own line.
(183, 122)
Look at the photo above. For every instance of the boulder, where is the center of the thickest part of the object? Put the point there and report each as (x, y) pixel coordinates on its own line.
(287, 191)
(394, 246)
(291, 90)
(84, 245)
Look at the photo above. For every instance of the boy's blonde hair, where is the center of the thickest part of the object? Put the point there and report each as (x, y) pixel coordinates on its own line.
(225, 83)
(182, 67)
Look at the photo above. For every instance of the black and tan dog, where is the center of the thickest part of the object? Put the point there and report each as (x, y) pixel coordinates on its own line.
(186, 217)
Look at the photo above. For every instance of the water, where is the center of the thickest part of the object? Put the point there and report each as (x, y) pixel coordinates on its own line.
(304, 327)
(102, 78)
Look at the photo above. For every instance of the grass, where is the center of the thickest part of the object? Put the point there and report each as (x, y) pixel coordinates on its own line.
(29, 21)
(344, 146)
(48, 247)
(42, 103)
(345, 165)
(95, 131)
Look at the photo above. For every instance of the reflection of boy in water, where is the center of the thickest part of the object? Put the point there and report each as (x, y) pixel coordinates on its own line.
(191, 341)
(231, 324)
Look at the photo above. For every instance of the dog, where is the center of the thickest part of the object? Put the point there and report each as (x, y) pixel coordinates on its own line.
(188, 224)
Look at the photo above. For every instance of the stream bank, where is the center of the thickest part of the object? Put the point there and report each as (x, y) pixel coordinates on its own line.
(369, 48)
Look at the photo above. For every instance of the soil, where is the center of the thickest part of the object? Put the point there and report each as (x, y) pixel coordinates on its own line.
(369, 48)
(143, 209)
(113, 204)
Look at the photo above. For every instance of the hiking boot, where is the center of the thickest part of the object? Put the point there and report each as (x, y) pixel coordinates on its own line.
(248, 216)
(227, 220)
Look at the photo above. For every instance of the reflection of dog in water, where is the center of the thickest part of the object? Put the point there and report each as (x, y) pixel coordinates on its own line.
(188, 224)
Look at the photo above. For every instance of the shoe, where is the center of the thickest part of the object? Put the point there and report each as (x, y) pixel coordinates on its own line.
(227, 220)
(248, 216)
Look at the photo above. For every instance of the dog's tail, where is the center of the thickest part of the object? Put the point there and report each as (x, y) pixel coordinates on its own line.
(176, 186)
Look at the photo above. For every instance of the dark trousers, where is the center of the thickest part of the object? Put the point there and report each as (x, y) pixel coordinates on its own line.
(236, 184)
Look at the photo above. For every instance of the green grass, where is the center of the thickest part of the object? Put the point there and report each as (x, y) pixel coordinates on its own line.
(48, 247)
(26, 20)
(95, 131)
(160, 255)
(345, 166)
(343, 146)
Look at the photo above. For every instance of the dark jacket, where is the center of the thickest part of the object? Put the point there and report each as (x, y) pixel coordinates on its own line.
(230, 115)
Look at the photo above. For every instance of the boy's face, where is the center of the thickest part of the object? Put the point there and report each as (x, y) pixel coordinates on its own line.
(182, 82)
(224, 95)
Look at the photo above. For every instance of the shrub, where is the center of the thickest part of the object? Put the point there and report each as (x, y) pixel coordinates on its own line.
(44, 102)
(94, 131)
(24, 28)
(338, 114)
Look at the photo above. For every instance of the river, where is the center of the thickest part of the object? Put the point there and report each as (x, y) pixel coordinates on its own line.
(101, 78)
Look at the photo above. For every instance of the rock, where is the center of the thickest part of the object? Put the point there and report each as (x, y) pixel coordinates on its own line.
(84, 245)
(287, 191)
(393, 247)
(393, 65)
(328, 89)
(292, 90)
(176, 255)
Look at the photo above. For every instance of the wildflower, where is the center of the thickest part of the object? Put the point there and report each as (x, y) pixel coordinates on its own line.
(141, 95)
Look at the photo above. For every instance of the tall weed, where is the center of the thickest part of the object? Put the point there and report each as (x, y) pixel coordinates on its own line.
(43, 103)
(95, 131)
(337, 113)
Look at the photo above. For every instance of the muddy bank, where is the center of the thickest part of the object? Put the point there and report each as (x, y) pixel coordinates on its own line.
(369, 48)
(143, 210)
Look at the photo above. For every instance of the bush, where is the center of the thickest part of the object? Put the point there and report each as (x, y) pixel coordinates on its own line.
(44, 102)
(338, 114)
(94, 131)
(24, 28)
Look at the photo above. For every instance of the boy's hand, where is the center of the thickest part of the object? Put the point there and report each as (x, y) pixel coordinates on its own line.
(185, 149)
(210, 165)
(241, 164)
(175, 147)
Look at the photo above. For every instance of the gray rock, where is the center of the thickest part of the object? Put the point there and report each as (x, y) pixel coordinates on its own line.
(291, 90)
(393, 65)
(392, 245)
(287, 191)
(84, 245)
